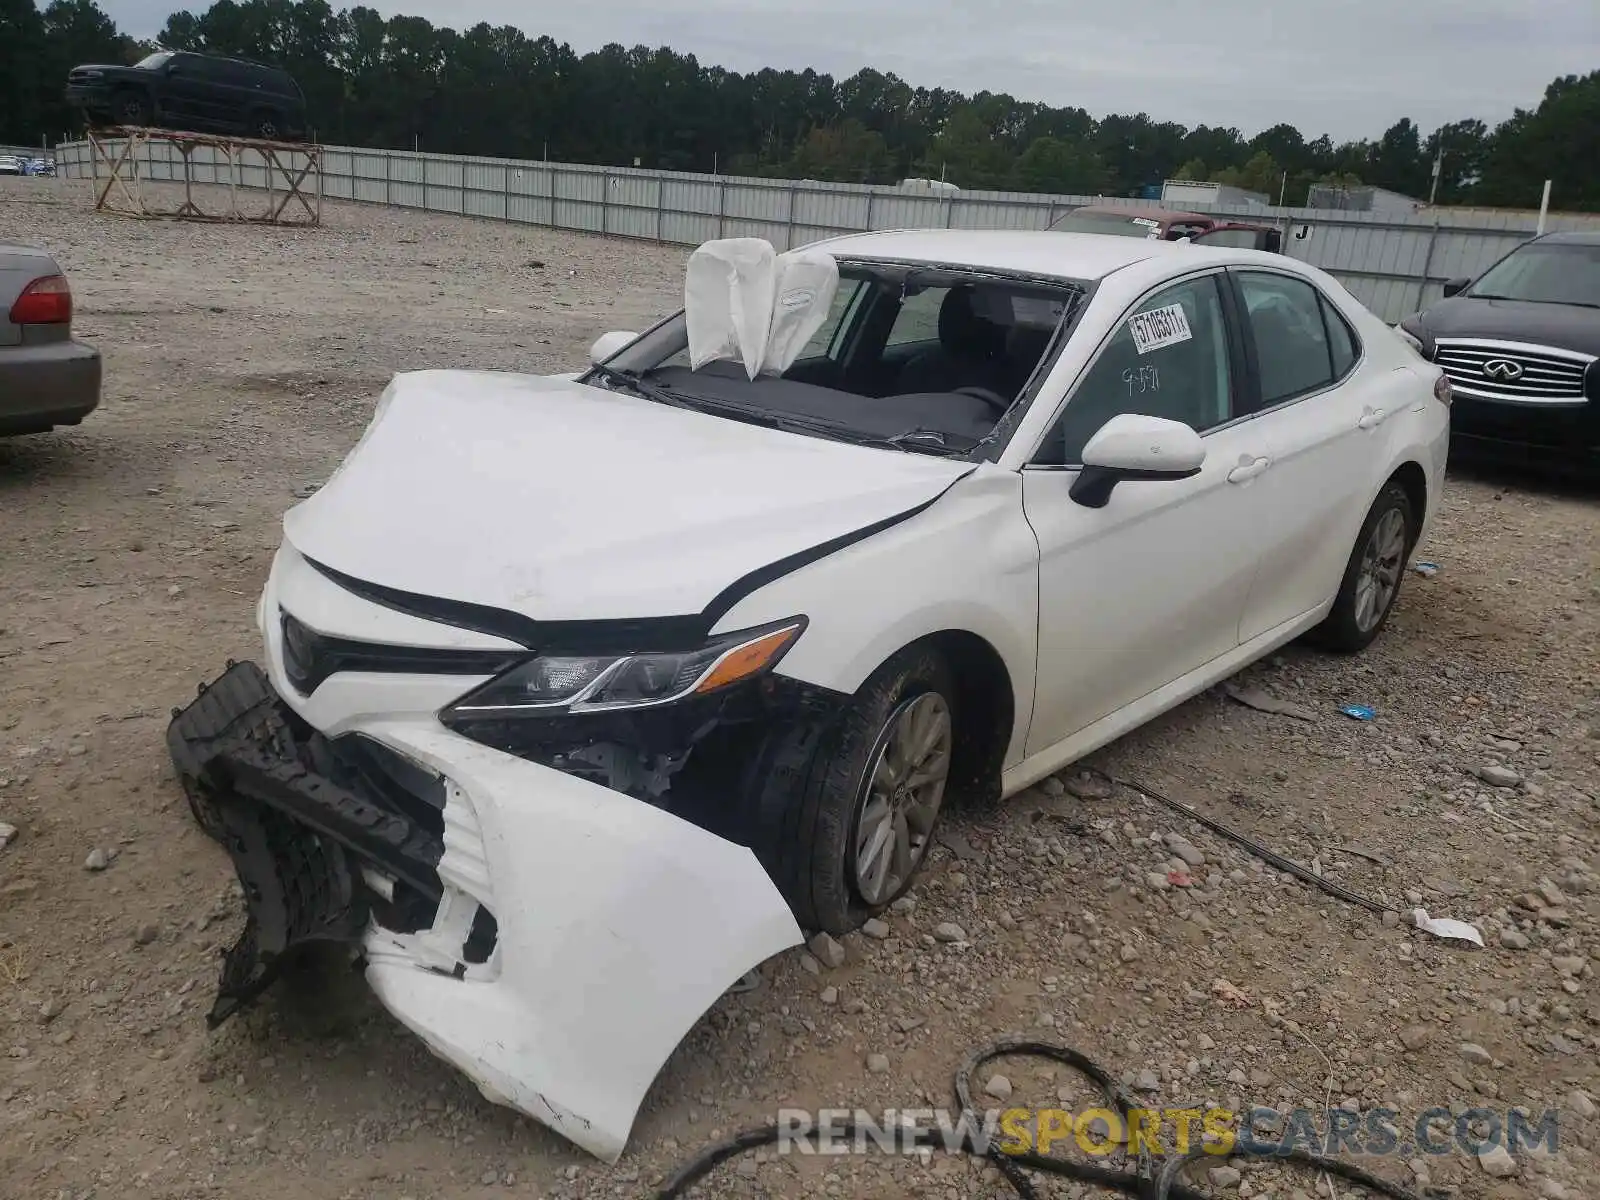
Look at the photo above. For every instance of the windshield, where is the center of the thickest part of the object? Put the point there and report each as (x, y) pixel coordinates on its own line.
(1103, 222)
(151, 62)
(1545, 273)
(916, 357)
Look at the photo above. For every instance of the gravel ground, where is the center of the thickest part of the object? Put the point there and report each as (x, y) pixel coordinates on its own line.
(242, 363)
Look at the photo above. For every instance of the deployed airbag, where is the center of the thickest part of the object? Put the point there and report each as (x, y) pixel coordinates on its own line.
(728, 290)
(745, 303)
(808, 280)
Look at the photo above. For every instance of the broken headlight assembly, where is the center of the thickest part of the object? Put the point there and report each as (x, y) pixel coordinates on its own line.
(551, 685)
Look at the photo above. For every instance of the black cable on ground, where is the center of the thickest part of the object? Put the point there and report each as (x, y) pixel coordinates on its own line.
(1144, 1181)
(1150, 1178)
(1255, 847)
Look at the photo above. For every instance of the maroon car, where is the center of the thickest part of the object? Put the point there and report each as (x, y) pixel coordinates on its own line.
(1169, 225)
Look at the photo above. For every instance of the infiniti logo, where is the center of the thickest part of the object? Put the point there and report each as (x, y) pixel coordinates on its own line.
(1502, 369)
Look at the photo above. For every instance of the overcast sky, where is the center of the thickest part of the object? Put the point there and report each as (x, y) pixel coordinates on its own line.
(1350, 68)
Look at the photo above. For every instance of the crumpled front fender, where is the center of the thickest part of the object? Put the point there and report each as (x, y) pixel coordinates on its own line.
(619, 925)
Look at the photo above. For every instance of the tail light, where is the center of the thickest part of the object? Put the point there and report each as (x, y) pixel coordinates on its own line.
(45, 301)
(1442, 391)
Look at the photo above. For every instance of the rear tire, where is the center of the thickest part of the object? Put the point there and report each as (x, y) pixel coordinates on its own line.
(882, 771)
(1372, 577)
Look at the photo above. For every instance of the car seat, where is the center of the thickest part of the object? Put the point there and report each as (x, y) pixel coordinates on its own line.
(968, 355)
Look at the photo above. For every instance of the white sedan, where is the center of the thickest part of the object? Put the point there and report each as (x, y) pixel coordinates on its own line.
(581, 696)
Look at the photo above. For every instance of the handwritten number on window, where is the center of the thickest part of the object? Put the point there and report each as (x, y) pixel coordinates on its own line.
(1141, 380)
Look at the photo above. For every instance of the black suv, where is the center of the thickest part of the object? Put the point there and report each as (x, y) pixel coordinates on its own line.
(1521, 346)
(198, 92)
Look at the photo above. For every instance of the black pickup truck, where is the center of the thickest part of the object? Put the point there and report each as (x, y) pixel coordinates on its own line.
(202, 93)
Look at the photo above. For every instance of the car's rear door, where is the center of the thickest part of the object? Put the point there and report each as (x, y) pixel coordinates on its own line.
(209, 85)
(1138, 594)
(1322, 408)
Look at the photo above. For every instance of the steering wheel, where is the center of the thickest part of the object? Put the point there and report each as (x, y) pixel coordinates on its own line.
(989, 396)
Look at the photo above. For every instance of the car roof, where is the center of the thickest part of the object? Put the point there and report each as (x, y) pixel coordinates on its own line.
(1085, 256)
(1572, 237)
(226, 58)
(1149, 212)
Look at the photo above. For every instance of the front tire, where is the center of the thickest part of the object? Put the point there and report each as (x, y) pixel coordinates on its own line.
(129, 108)
(266, 125)
(851, 842)
(1371, 582)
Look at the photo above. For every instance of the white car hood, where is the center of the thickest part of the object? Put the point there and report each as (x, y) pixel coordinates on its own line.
(559, 501)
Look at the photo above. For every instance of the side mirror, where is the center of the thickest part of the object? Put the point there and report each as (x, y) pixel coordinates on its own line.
(607, 344)
(1131, 447)
(1272, 241)
(1454, 287)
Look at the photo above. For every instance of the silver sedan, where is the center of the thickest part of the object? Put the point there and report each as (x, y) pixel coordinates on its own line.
(46, 378)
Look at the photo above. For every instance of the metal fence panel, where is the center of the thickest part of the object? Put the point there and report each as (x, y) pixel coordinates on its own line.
(369, 178)
(688, 229)
(691, 195)
(756, 202)
(828, 210)
(1393, 263)
(890, 211)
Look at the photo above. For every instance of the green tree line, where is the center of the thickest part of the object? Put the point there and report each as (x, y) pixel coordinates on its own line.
(402, 82)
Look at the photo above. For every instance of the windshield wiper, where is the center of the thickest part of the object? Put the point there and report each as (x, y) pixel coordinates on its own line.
(638, 386)
(931, 441)
(916, 441)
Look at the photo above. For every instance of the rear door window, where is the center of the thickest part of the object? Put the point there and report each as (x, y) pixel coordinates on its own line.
(829, 339)
(1284, 317)
(918, 319)
(1342, 342)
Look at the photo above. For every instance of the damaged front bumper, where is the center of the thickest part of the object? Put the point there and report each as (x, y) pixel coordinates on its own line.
(552, 938)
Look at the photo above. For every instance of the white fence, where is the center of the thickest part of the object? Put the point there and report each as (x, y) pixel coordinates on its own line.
(1395, 265)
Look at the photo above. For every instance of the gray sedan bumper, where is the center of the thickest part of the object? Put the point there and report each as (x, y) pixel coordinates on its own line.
(42, 386)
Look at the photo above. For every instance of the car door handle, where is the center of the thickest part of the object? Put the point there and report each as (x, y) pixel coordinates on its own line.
(1246, 471)
(1372, 418)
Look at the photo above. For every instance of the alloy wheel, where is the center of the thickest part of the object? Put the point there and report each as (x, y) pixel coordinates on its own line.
(1379, 576)
(904, 788)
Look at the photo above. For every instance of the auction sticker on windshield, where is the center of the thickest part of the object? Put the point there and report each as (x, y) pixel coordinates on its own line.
(1159, 327)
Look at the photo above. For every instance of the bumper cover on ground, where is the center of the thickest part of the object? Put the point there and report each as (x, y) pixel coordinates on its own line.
(617, 924)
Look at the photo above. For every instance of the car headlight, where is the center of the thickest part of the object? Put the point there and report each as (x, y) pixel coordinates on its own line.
(604, 683)
(1415, 334)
